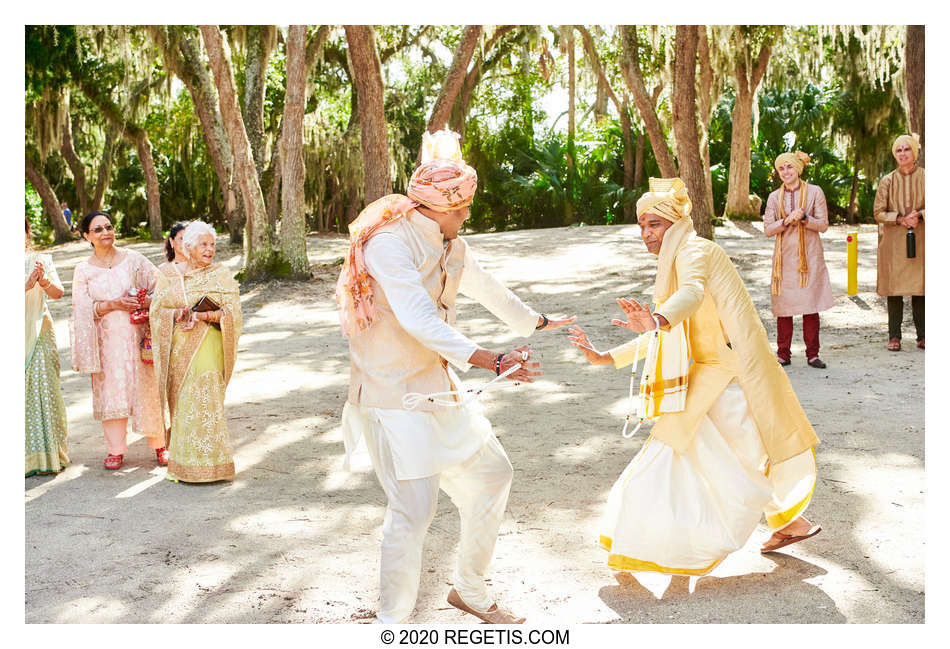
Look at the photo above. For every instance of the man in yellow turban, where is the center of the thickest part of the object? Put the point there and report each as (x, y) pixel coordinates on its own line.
(396, 295)
(737, 445)
(899, 212)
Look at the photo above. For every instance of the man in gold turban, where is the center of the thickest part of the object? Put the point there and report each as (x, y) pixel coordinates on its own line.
(736, 445)
(396, 295)
(899, 211)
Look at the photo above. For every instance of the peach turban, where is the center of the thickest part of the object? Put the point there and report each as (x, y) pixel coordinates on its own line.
(798, 160)
(442, 182)
(912, 140)
(667, 198)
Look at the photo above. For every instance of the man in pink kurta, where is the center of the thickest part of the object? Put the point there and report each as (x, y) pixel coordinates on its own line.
(800, 283)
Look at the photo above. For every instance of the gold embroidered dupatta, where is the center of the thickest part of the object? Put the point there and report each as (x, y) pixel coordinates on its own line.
(175, 291)
(777, 254)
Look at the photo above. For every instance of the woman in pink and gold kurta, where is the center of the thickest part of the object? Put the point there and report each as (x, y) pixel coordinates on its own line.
(105, 344)
(796, 214)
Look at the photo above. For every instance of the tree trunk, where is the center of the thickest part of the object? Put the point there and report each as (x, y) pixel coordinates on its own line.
(368, 77)
(630, 66)
(706, 102)
(50, 202)
(261, 40)
(571, 110)
(272, 180)
(105, 168)
(258, 245)
(685, 128)
(188, 65)
(442, 111)
(914, 83)
(75, 165)
(464, 100)
(629, 209)
(747, 83)
(293, 223)
(144, 148)
(600, 101)
(137, 136)
(638, 163)
(853, 202)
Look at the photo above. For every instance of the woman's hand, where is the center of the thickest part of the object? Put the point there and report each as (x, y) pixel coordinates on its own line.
(579, 339)
(639, 316)
(35, 276)
(555, 323)
(209, 316)
(123, 303)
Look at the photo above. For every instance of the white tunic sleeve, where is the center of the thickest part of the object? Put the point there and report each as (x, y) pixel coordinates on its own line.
(481, 286)
(390, 263)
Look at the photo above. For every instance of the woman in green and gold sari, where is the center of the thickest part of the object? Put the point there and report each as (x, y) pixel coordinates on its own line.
(44, 413)
(194, 352)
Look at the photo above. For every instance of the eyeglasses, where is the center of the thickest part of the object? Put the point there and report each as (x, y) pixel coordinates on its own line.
(103, 228)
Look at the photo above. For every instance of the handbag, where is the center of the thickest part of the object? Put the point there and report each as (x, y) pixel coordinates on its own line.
(145, 349)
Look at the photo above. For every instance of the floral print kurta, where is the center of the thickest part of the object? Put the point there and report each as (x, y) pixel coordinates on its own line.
(107, 348)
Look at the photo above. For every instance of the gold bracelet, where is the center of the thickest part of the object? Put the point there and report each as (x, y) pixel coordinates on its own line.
(95, 310)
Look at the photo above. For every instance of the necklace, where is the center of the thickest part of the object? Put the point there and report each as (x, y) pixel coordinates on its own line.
(111, 258)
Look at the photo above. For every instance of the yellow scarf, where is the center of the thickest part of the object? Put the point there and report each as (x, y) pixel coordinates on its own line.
(777, 255)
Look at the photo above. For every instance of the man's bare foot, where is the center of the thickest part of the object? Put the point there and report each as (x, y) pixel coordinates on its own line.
(798, 530)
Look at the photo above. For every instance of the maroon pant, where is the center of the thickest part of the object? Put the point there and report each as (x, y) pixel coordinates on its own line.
(809, 334)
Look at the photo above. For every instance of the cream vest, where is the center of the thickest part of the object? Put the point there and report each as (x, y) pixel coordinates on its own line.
(386, 362)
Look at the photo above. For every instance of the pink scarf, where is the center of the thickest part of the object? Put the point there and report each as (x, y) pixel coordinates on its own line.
(440, 184)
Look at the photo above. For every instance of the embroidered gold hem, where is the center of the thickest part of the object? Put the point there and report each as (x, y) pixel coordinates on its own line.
(200, 473)
(623, 562)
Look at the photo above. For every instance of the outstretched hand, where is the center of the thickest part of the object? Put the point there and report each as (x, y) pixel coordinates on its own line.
(528, 370)
(579, 339)
(555, 323)
(639, 316)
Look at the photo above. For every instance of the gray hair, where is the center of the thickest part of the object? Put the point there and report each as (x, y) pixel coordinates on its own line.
(193, 231)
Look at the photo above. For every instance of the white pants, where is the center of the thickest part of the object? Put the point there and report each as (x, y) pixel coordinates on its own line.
(478, 486)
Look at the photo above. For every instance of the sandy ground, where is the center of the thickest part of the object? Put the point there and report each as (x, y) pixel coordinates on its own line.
(295, 539)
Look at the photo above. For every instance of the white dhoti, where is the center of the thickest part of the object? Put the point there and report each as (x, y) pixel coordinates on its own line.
(682, 514)
(478, 485)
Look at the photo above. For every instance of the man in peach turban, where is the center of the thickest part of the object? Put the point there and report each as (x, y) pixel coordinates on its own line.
(730, 442)
(899, 212)
(396, 296)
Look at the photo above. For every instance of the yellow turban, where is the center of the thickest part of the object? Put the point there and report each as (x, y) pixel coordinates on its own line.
(667, 198)
(913, 140)
(798, 160)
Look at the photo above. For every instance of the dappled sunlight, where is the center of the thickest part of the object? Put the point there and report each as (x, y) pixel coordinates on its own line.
(71, 472)
(85, 610)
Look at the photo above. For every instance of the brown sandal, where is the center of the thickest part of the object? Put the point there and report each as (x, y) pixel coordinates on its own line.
(894, 345)
(781, 540)
(493, 615)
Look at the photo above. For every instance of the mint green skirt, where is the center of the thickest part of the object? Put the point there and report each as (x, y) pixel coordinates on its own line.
(45, 412)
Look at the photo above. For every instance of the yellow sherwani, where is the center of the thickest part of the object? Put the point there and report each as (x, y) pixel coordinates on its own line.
(711, 295)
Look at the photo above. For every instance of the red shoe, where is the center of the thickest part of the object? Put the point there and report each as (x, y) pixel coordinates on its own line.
(113, 462)
(161, 455)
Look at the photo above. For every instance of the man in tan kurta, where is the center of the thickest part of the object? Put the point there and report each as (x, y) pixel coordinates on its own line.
(737, 398)
(796, 214)
(898, 207)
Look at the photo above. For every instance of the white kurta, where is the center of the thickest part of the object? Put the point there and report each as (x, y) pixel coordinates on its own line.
(426, 443)
(415, 454)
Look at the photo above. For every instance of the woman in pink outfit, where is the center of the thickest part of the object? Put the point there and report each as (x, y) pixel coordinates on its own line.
(105, 343)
